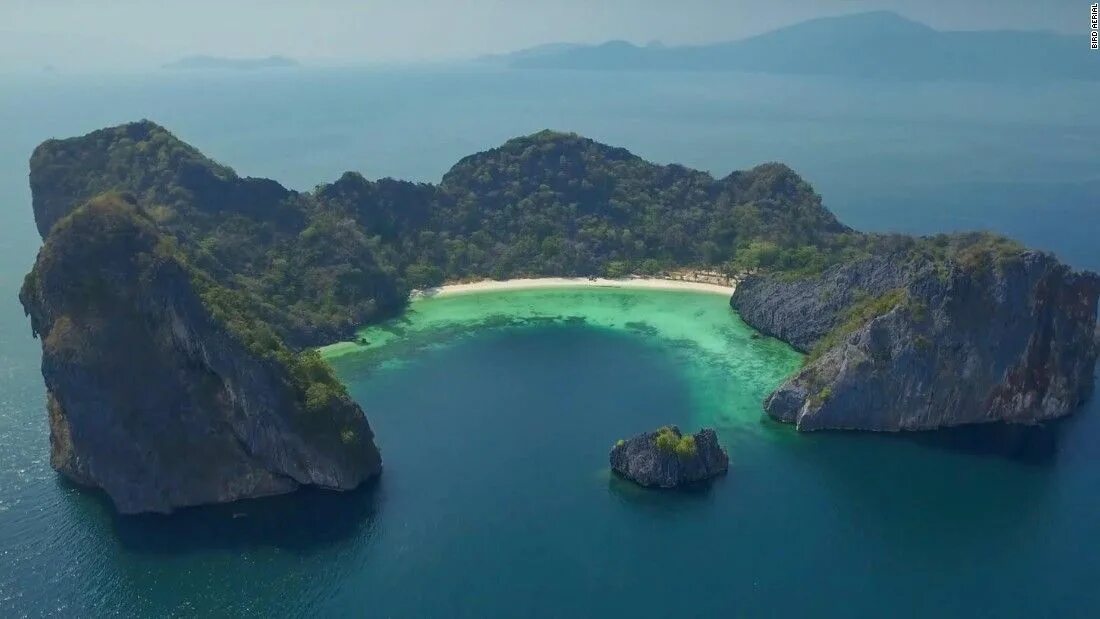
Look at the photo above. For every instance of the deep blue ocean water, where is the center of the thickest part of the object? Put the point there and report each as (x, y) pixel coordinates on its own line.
(470, 521)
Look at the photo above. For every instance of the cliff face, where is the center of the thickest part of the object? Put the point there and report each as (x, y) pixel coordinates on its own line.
(926, 346)
(802, 311)
(155, 393)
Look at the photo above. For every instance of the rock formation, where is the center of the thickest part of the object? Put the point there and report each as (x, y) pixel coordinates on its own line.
(155, 393)
(666, 458)
(903, 344)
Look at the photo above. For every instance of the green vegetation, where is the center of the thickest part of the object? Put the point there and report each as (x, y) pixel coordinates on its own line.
(666, 439)
(821, 397)
(669, 441)
(319, 264)
(309, 273)
(559, 204)
(113, 238)
(862, 311)
(973, 251)
(286, 270)
(685, 448)
(309, 375)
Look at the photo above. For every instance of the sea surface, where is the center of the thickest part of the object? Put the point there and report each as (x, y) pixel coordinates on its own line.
(495, 412)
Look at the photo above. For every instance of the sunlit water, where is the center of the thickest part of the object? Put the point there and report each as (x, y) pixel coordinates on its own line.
(495, 413)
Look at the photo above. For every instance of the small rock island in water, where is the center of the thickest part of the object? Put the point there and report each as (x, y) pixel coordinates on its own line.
(666, 458)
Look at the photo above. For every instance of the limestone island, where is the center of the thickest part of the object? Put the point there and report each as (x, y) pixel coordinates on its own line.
(179, 305)
(665, 458)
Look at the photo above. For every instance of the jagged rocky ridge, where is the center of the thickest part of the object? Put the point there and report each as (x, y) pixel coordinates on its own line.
(910, 343)
(663, 459)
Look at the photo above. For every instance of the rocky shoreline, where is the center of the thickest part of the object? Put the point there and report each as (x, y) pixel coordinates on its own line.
(901, 344)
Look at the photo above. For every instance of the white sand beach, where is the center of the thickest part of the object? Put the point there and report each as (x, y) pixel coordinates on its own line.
(651, 283)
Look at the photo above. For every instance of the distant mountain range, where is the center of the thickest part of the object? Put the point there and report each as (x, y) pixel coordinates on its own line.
(877, 44)
(237, 64)
(538, 51)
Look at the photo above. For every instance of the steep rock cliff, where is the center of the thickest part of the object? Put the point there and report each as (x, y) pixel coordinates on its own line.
(802, 311)
(899, 344)
(163, 389)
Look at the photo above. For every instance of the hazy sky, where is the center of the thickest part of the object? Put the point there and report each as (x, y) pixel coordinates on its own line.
(132, 31)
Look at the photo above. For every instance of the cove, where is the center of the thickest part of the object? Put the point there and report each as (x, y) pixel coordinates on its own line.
(495, 414)
(725, 366)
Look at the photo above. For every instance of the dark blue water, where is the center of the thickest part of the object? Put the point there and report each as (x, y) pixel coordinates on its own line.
(498, 439)
(495, 501)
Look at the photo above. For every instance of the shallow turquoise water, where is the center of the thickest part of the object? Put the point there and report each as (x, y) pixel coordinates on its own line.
(730, 367)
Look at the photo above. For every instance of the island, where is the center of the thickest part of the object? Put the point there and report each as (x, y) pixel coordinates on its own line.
(912, 341)
(871, 45)
(164, 388)
(179, 304)
(666, 458)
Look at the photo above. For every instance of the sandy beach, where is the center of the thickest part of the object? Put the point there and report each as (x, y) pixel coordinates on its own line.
(650, 283)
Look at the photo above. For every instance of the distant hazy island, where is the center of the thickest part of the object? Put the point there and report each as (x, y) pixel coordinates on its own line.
(235, 64)
(876, 45)
(179, 304)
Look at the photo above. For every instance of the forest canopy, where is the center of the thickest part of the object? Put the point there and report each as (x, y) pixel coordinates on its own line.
(317, 265)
